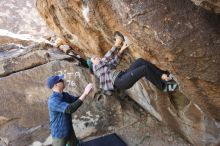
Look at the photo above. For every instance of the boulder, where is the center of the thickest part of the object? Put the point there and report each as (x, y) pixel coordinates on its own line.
(24, 101)
(175, 35)
(211, 5)
(21, 17)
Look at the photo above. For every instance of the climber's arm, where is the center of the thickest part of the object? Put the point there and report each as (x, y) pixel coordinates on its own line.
(71, 108)
(108, 55)
(116, 46)
(107, 59)
(115, 61)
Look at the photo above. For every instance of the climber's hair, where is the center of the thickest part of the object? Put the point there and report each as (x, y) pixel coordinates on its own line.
(91, 71)
(90, 65)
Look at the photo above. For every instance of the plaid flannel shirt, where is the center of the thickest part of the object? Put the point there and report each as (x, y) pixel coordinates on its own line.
(103, 70)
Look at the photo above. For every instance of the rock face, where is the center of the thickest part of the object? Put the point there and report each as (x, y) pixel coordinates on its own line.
(212, 5)
(24, 115)
(175, 35)
(21, 17)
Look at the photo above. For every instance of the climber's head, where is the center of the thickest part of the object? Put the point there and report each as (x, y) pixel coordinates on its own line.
(92, 61)
(95, 60)
(56, 83)
(89, 63)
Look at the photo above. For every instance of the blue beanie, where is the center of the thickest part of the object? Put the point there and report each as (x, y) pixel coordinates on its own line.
(52, 80)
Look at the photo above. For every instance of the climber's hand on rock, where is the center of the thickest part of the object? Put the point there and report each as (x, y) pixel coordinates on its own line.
(118, 41)
(125, 46)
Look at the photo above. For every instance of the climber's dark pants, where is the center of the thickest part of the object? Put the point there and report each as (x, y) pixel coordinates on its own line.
(140, 68)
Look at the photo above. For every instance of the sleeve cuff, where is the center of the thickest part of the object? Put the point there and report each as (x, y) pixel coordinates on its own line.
(80, 101)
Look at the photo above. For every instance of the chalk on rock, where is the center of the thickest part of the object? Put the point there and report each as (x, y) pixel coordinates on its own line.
(4, 141)
(64, 48)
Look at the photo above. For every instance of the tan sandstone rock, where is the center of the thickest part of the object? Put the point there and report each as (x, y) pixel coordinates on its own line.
(175, 35)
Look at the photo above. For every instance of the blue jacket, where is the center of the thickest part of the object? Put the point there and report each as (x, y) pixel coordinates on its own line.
(60, 122)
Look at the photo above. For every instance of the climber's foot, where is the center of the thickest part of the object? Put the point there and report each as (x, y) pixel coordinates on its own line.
(170, 84)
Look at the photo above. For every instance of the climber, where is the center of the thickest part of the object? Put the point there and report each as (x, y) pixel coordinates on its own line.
(61, 105)
(111, 79)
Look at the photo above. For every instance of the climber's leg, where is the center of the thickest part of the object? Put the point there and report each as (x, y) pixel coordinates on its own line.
(141, 61)
(127, 79)
(139, 69)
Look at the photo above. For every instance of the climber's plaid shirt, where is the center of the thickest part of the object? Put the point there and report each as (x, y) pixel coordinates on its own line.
(103, 70)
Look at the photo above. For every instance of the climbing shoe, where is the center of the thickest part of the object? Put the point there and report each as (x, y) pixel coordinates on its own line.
(170, 86)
